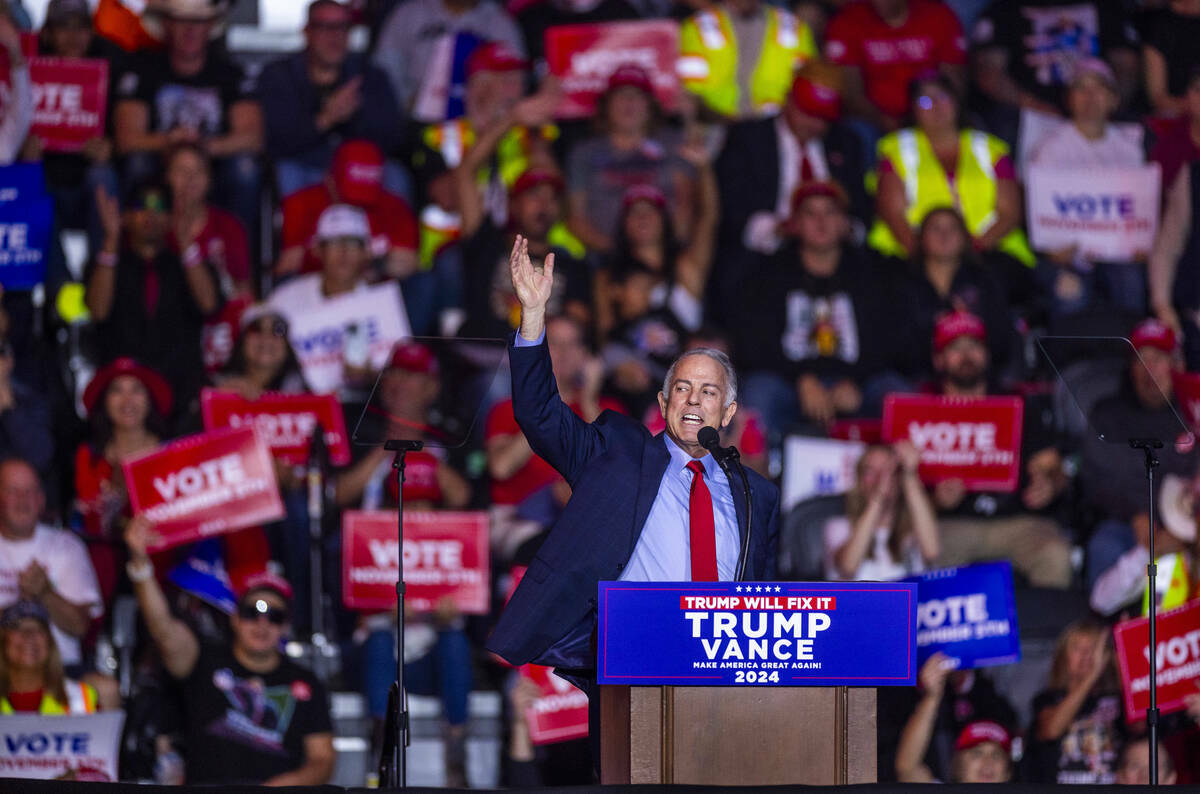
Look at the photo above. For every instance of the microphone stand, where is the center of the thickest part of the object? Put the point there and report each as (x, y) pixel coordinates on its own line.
(1148, 445)
(315, 481)
(393, 772)
(723, 456)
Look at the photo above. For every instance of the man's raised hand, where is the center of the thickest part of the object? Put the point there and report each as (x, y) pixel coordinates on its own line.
(532, 286)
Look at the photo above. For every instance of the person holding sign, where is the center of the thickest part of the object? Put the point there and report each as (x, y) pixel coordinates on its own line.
(685, 524)
(251, 714)
(32, 678)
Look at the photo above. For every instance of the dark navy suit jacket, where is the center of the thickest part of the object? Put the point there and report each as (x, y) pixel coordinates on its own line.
(614, 466)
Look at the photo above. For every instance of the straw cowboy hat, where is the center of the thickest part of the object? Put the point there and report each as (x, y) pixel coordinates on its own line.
(186, 10)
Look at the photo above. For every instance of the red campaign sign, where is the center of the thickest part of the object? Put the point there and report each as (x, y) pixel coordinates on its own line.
(286, 421)
(1187, 394)
(445, 553)
(561, 713)
(976, 440)
(206, 484)
(70, 100)
(583, 57)
(1178, 655)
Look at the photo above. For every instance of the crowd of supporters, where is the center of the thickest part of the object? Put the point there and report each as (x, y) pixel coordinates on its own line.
(836, 198)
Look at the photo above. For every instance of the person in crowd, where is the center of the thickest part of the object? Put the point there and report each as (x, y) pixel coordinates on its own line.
(938, 163)
(1078, 722)
(1169, 55)
(534, 207)
(437, 653)
(889, 530)
(1174, 297)
(524, 485)
(19, 107)
(415, 42)
(126, 405)
(1141, 408)
(1177, 143)
(33, 678)
(1088, 140)
(356, 178)
(26, 425)
(738, 57)
(983, 525)
(815, 337)
(263, 359)
(629, 150)
(44, 565)
(945, 276)
(883, 45)
(188, 92)
(251, 714)
(1134, 766)
(147, 301)
(316, 98)
(764, 161)
(982, 750)
(1024, 53)
(72, 177)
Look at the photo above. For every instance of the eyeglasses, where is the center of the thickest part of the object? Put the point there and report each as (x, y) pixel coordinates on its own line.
(253, 610)
(273, 327)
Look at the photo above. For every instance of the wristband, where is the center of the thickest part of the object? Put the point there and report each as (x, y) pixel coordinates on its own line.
(192, 256)
(106, 259)
(139, 573)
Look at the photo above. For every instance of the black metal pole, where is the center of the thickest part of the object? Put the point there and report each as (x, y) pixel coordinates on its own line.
(1148, 446)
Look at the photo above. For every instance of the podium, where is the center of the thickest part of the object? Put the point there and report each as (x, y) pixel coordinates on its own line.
(735, 683)
(726, 736)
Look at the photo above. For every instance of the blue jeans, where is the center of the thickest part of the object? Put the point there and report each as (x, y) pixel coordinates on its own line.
(445, 671)
(1108, 542)
(293, 175)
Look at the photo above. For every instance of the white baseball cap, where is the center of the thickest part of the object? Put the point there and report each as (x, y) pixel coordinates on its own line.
(343, 220)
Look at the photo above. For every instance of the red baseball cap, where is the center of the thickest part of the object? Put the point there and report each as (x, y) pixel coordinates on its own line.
(816, 98)
(533, 177)
(156, 385)
(494, 56)
(828, 189)
(265, 580)
(413, 357)
(643, 192)
(952, 325)
(630, 74)
(982, 731)
(358, 172)
(1153, 333)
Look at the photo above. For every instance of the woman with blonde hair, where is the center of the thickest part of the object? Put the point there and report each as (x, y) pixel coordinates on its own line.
(31, 668)
(889, 530)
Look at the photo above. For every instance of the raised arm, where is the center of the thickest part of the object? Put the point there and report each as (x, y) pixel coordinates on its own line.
(174, 639)
(914, 739)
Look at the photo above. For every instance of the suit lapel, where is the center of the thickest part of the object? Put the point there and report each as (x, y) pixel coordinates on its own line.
(654, 464)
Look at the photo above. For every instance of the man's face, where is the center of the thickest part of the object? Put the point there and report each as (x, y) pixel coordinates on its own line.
(342, 258)
(983, 763)
(963, 362)
(889, 8)
(406, 394)
(804, 126)
(536, 210)
(187, 37)
(327, 35)
(489, 95)
(187, 176)
(21, 500)
(1091, 100)
(695, 399)
(1152, 383)
(568, 353)
(259, 634)
(147, 227)
(72, 38)
(628, 109)
(1135, 766)
(820, 223)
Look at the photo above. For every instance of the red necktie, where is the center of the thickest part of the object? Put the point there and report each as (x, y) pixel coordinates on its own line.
(703, 530)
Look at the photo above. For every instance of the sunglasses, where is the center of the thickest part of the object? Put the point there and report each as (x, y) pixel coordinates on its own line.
(273, 327)
(253, 610)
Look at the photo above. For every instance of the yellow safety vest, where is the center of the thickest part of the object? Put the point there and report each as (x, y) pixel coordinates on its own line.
(453, 138)
(81, 699)
(927, 187)
(708, 60)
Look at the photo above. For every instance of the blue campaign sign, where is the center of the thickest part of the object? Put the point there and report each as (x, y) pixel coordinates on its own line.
(21, 181)
(24, 241)
(969, 614)
(772, 633)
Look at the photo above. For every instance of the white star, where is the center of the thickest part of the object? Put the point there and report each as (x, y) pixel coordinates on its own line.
(758, 589)
(739, 589)
(776, 588)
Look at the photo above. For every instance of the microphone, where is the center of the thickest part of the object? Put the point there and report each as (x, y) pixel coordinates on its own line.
(711, 441)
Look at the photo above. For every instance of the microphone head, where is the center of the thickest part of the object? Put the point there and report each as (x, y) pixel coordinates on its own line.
(708, 438)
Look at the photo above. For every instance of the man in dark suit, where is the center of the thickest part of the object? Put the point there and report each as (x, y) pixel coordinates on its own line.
(643, 508)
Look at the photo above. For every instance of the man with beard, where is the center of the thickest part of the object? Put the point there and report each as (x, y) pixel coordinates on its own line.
(987, 525)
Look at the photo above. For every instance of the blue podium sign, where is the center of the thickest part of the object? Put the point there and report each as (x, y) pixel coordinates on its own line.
(757, 633)
(969, 614)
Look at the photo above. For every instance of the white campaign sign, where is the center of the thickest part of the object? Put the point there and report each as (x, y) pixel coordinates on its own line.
(1110, 214)
(817, 467)
(47, 747)
(318, 335)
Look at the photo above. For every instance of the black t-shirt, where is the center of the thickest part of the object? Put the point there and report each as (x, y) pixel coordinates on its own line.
(1175, 36)
(1090, 749)
(245, 727)
(200, 101)
(493, 310)
(797, 323)
(1043, 38)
